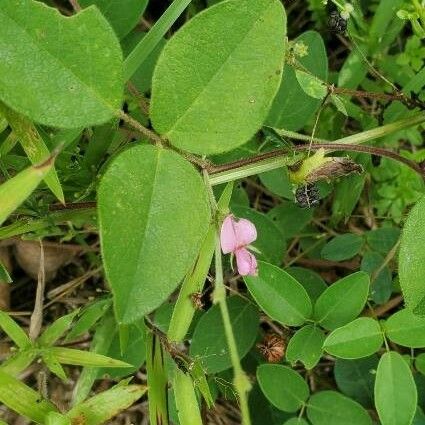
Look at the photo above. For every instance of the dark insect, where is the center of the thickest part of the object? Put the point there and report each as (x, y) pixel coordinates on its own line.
(336, 22)
(196, 298)
(307, 196)
(272, 348)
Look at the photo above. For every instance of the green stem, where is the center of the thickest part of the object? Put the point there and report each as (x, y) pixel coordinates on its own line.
(241, 381)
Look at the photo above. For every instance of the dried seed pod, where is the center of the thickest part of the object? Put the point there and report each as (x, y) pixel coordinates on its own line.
(196, 298)
(336, 22)
(272, 348)
(307, 196)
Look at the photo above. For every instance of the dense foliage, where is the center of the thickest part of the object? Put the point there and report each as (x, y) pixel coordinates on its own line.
(214, 209)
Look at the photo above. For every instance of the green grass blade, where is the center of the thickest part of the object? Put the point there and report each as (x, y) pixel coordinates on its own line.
(148, 43)
(14, 331)
(186, 402)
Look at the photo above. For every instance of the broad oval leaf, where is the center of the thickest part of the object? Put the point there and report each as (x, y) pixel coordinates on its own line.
(296, 421)
(312, 281)
(145, 200)
(209, 339)
(284, 388)
(360, 338)
(306, 346)
(342, 247)
(332, 408)
(59, 71)
(216, 78)
(411, 265)
(280, 295)
(395, 390)
(342, 301)
(406, 329)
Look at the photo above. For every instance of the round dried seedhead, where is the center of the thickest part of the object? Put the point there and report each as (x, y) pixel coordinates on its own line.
(272, 348)
(307, 196)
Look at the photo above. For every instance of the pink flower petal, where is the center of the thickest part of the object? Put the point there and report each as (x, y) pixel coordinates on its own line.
(245, 231)
(246, 262)
(228, 235)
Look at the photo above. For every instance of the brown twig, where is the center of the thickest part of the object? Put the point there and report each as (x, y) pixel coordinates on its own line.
(37, 315)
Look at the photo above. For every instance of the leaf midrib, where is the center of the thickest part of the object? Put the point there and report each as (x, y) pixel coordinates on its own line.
(217, 72)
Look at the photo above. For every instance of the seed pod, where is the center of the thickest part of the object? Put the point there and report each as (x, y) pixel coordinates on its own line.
(272, 348)
(307, 196)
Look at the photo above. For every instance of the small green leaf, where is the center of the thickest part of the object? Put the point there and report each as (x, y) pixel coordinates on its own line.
(311, 84)
(342, 301)
(283, 387)
(313, 283)
(56, 330)
(296, 421)
(420, 363)
(123, 15)
(356, 378)
(292, 108)
(411, 270)
(18, 362)
(88, 318)
(359, 338)
(406, 329)
(342, 247)
(234, 38)
(339, 103)
(332, 408)
(104, 406)
(395, 390)
(279, 295)
(67, 72)
(23, 400)
(55, 418)
(54, 366)
(15, 190)
(84, 358)
(209, 339)
(4, 274)
(306, 346)
(34, 146)
(14, 331)
(144, 201)
(186, 402)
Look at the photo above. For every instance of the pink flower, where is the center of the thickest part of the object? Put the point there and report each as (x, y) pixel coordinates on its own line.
(235, 236)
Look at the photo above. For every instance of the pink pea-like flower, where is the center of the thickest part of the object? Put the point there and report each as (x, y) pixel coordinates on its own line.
(235, 236)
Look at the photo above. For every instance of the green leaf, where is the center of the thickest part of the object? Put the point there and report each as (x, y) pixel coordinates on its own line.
(55, 418)
(406, 329)
(62, 72)
(88, 318)
(104, 406)
(194, 281)
(313, 283)
(18, 362)
(356, 378)
(186, 402)
(209, 339)
(411, 266)
(233, 38)
(33, 145)
(306, 346)
(296, 421)
(123, 15)
(359, 338)
(279, 295)
(383, 239)
(283, 387)
(56, 330)
(14, 331)
(342, 301)
(311, 84)
(381, 286)
(271, 242)
(54, 366)
(84, 358)
(342, 247)
(332, 408)
(144, 201)
(420, 363)
(292, 107)
(395, 390)
(4, 274)
(22, 399)
(277, 181)
(15, 190)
